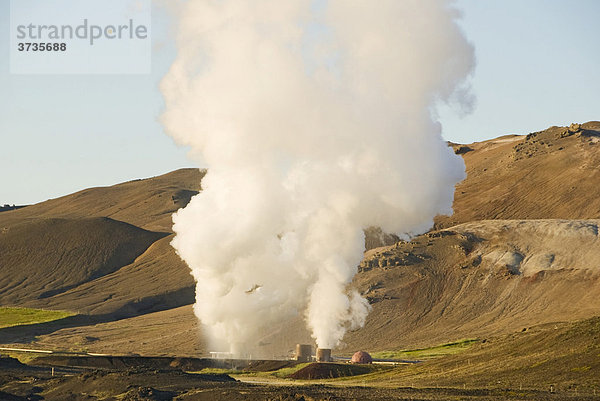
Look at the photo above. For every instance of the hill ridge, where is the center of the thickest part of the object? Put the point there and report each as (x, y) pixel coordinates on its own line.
(519, 250)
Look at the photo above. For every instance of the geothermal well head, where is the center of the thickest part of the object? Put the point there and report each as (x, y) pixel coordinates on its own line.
(323, 355)
(303, 352)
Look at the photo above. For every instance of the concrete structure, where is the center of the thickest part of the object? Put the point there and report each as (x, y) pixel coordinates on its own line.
(323, 355)
(303, 352)
(220, 355)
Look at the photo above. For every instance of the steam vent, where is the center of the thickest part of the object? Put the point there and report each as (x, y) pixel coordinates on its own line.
(361, 357)
(323, 355)
(303, 352)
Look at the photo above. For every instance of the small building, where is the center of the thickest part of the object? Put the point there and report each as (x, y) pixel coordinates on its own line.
(361, 357)
(323, 355)
(303, 353)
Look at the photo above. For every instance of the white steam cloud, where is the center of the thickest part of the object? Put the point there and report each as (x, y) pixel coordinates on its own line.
(315, 121)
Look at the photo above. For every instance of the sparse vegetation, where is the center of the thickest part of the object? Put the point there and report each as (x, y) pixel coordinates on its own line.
(20, 316)
(427, 353)
(525, 353)
(23, 357)
(215, 371)
(285, 372)
(282, 373)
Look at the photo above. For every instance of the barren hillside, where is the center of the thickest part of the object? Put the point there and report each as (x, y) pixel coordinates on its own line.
(520, 250)
(147, 203)
(479, 279)
(100, 250)
(45, 257)
(473, 280)
(551, 174)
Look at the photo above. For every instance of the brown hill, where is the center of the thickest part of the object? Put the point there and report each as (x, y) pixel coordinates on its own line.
(173, 332)
(473, 280)
(42, 258)
(156, 280)
(147, 203)
(67, 254)
(551, 174)
(479, 279)
(476, 278)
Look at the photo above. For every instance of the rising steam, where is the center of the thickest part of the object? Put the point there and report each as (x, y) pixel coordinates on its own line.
(315, 121)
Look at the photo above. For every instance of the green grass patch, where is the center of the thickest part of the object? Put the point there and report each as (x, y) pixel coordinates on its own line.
(285, 372)
(282, 373)
(23, 357)
(427, 353)
(20, 316)
(216, 371)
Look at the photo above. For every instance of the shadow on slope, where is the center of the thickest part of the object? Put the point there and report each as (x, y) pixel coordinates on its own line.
(46, 257)
(156, 280)
(29, 333)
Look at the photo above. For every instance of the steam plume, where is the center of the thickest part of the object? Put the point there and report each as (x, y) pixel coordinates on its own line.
(315, 121)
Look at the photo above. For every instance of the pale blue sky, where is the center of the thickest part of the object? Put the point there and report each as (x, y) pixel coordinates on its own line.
(537, 65)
